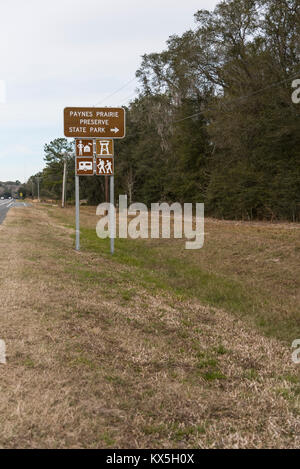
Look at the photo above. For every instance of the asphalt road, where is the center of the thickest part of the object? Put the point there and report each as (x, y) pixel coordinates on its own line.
(5, 205)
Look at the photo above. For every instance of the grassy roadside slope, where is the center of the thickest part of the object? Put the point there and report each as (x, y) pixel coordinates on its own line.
(249, 269)
(99, 358)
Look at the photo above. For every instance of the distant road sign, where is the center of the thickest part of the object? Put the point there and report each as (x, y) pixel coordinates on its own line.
(105, 147)
(104, 166)
(85, 166)
(84, 147)
(103, 122)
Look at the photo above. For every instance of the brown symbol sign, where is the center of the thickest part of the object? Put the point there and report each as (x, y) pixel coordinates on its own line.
(105, 147)
(87, 122)
(85, 166)
(104, 166)
(84, 147)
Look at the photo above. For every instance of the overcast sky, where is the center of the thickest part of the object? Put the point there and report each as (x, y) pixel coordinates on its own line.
(73, 53)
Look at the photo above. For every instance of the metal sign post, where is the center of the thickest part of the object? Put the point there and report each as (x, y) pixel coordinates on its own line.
(77, 246)
(38, 182)
(112, 216)
(63, 195)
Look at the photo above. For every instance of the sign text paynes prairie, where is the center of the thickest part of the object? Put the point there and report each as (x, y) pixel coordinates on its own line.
(94, 122)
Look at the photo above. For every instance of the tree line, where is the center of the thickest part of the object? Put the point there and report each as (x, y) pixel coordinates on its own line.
(213, 121)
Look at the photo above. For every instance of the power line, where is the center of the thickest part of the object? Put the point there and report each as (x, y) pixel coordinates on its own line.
(124, 86)
(115, 92)
(128, 98)
(193, 30)
(241, 97)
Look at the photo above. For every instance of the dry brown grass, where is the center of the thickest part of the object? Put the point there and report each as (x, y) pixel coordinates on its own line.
(95, 360)
(262, 260)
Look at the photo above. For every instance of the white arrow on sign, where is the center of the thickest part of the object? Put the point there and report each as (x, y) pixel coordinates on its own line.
(115, 130)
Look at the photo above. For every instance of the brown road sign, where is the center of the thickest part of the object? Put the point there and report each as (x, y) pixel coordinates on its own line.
(104, 166)
(105, 147)
(84, 166)
(84, 147)
(87, 122)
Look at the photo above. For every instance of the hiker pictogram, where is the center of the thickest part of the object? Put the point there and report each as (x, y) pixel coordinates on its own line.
(101, 167)
(104, 166)
(108, 167)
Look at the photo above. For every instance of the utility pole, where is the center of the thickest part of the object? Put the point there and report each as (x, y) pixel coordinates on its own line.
(66, 177)
(32, 193)
(38, 184)
(63, 197)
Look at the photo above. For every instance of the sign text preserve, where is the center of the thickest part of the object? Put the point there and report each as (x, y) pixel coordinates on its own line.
(92, 122)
